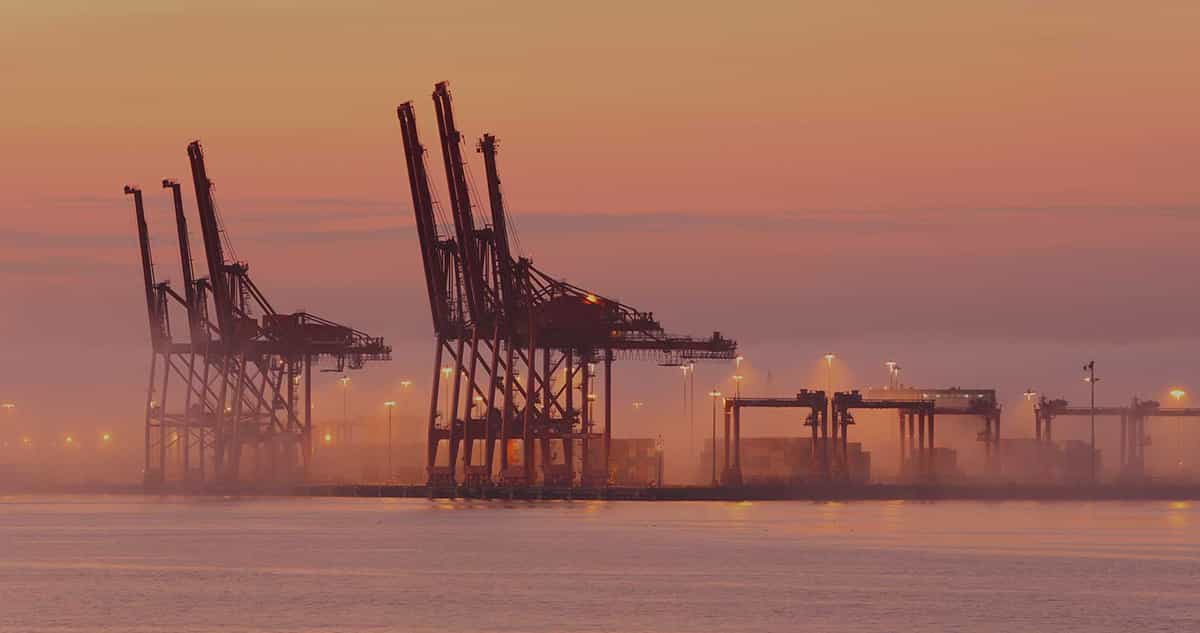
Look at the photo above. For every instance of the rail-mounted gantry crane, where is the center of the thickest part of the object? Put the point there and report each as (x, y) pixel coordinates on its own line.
(817, 404)
(522, 348)
(245, 369)
(1133, 435)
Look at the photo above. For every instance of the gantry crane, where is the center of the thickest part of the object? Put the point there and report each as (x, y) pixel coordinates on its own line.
(242, 373)
(522, 344)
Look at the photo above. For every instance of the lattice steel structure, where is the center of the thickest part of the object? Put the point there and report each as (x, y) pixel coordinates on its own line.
(244, 371)
(1133, 418)
(522, 349)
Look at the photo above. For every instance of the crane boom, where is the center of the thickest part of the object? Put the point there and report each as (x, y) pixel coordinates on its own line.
(211, 233)
(487, 147)
(185, 254)
(418, 180)
(156, 333)
(460, 200)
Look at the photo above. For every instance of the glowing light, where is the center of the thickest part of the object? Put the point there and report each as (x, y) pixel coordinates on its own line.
(328, 438)
(591, 298)
(1029, 394)
(1178, 394)
(345, 380)
(446, 371)
(715, 394)
(829, 358)
(106, 437)
(406, 383)
(390, 403)
(7, 405)
(739, 378)
(638, 404)
(70, 440)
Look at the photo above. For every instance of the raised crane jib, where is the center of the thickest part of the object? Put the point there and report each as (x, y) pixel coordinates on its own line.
(460, 201)
(211, 232)
(152, 304)
(504, 261)
(185, 258)
(418, 183)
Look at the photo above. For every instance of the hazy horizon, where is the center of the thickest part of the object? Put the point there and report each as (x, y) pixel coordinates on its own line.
(991, 196)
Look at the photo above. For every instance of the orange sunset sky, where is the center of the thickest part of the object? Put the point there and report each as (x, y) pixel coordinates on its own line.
(990, 192)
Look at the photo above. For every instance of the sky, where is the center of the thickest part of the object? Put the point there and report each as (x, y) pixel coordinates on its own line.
(991, 194)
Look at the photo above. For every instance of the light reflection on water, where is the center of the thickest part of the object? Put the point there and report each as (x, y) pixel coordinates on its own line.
(174, 564)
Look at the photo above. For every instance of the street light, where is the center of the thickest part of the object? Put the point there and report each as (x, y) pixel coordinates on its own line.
(1178, 394)
(345, 380)
(404, 385)
(390, 404)
(829, 372)
(893, 373)
(737, 385)
(1029, 395)
(689, 368)
(714, 394)
(1091, 379)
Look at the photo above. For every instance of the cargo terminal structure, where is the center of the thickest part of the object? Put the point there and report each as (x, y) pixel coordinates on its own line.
(229, 402)
(518, 350)
(524, 362)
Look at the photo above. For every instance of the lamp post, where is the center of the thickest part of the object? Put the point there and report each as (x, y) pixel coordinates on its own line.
(1178, 394)
(1030, 394)
(390, 404)
(686, 369)
(829, 372)
(1091, 379)
(403, 400)
(345, 380)
(8, 409)
(893, 374)
(692, 395)
(714, 394)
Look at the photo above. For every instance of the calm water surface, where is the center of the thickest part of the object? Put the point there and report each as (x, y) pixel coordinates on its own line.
(183, 565)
